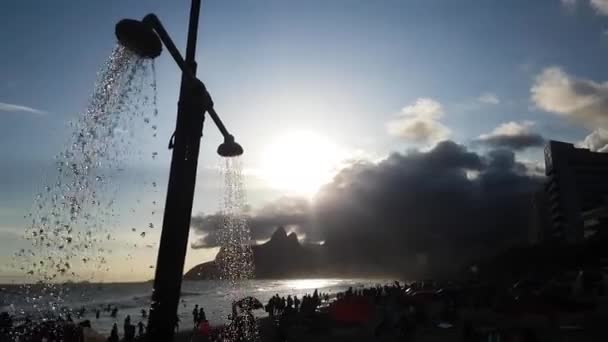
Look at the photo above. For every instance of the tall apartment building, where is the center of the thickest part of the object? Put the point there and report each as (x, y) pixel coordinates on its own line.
(577, 185)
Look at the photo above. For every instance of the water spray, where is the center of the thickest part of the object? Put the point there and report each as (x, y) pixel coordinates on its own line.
(146, 38)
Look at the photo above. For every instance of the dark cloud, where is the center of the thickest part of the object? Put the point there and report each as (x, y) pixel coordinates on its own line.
(410, 210)
(291, 212)
(512, 135)
(514, 142)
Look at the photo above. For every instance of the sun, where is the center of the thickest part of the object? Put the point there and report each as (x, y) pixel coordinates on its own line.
(301, 162)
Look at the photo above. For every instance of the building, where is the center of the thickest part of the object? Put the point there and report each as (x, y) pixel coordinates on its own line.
(540, 223)
(577, 186)
(595, 222)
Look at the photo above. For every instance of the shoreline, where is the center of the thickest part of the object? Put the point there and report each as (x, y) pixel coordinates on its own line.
(421, 311)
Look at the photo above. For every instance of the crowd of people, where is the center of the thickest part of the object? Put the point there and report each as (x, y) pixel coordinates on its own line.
(399, 314)
(128, 329)
(278, 305)
(283, 310)
(63, 323)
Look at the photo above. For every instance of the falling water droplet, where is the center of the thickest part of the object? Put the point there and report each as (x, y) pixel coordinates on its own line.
(74, 212)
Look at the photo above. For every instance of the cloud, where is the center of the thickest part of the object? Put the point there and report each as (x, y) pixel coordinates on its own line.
(425, 203)
(512, 135)
(418, 130)
(8, 107)
(291, 212)
(583, 100)
(601, 6)
(596, 141)
(488, 98)
(424, 107)
(383, 216)
(419, 122)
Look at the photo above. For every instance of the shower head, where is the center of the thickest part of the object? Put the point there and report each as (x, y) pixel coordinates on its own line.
(229, 148)
(139, 38)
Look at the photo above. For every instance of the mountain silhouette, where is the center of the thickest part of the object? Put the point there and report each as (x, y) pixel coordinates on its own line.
(283, 256)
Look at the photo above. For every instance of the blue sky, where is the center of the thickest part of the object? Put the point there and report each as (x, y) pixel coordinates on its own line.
(337, 74)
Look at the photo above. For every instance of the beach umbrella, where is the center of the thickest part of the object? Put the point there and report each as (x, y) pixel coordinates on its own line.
(204, 328)
(351, 310)
(249, 303)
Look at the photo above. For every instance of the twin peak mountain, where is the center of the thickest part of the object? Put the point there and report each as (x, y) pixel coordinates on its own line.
(281, 257)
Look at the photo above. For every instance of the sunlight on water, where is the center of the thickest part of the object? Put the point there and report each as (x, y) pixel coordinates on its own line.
(75, 216)
(310, 284)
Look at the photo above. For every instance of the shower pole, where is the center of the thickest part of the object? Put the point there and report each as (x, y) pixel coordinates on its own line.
(191, 109)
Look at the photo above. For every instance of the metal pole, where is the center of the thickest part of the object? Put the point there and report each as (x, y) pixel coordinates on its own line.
(180, 195)
(192, 33)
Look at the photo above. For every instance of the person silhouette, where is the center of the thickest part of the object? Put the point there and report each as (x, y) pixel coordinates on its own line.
(141, 329)
(195, 318)
(113, 334)
(201, 315)
(127, 322)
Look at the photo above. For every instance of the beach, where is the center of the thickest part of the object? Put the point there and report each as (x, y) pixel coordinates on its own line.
(392, 312)
(131, 298)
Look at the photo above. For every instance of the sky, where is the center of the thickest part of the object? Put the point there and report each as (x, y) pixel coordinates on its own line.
(323, 95)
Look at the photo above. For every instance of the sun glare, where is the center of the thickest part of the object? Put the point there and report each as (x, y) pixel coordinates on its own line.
(309, 284)
(301, 162)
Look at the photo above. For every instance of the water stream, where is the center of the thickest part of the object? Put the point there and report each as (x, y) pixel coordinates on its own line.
(236, 256)
(75, 216)
(237, 259)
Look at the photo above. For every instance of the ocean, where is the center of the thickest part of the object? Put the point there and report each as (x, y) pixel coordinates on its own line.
(130, 298)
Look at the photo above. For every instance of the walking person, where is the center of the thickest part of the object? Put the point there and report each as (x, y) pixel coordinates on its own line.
(195, 317)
